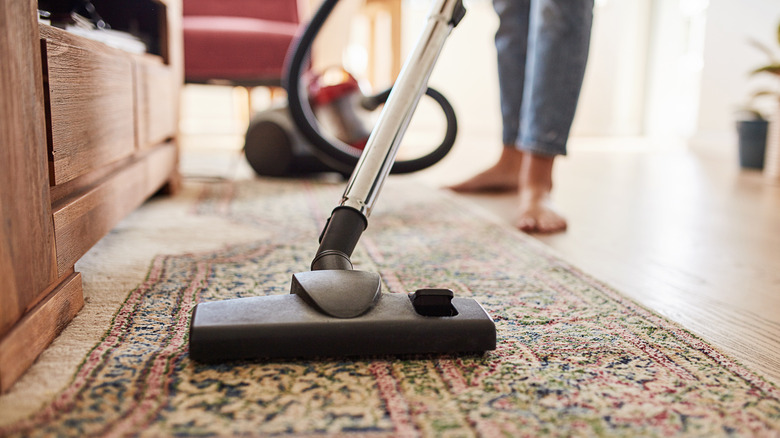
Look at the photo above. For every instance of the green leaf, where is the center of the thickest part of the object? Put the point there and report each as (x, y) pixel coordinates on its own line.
(772, 69)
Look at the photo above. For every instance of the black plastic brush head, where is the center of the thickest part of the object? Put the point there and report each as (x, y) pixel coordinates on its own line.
(289, 326)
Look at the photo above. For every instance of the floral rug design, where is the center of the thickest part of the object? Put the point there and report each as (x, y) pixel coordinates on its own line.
(574, 357)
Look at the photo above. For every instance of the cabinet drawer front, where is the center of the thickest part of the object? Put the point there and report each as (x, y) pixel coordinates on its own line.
(81, 222)
(157, 98)
(91, 100)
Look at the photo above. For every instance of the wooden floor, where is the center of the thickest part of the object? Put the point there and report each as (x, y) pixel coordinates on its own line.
(683, 232)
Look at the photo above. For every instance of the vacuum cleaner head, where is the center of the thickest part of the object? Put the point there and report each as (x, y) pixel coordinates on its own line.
(334, 310)
(295, 326)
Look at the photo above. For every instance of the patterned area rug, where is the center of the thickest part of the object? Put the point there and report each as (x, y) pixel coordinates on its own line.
(574, 357)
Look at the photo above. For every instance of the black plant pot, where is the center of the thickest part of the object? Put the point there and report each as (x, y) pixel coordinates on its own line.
(752, 143)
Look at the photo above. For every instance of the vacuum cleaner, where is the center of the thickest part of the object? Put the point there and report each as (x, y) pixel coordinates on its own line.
(275, 146)
(334, 310)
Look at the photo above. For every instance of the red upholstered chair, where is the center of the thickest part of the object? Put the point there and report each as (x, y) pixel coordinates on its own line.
(241, 42)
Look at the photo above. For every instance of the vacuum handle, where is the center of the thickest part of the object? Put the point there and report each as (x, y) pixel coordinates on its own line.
(382, 146)
(350, 218)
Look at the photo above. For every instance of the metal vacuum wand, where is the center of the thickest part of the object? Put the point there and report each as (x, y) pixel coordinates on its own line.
(349, 219)
(379, 154)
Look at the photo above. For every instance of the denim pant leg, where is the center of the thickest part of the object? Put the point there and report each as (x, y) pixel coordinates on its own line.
(558, 37)
(511, 49)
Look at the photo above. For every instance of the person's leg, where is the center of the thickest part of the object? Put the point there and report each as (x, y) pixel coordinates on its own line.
(511, 47)
(558, 44)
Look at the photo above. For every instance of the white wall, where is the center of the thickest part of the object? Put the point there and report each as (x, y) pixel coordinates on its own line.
(466, 72)
(674, 68)
(611, 102)
(675, 59)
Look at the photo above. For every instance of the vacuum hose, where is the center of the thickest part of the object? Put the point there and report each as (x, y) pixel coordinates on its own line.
(334, 152)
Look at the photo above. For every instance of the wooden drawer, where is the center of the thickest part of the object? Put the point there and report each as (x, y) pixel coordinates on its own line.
(81, 221)
(91, 104)
(156, 95)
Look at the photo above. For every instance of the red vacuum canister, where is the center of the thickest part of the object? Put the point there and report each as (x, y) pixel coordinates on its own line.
(335, 97)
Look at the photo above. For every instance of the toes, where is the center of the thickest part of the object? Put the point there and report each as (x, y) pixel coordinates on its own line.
(542, 220)
(526, 223)
(551, 226)
(550, 222)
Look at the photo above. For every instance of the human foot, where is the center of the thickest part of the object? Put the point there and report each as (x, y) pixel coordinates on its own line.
(536, 213)
(501, 177)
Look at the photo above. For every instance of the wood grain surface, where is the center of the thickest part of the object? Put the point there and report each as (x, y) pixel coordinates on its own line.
(29, 337)
(27, 263)
(80, 221)
(70, 166)
(157, 95)
(91, 99)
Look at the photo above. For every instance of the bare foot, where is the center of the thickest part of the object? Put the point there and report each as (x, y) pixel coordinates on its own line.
(536, 213)
(502, 177)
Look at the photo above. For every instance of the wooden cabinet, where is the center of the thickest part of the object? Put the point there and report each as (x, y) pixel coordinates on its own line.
(88, 133)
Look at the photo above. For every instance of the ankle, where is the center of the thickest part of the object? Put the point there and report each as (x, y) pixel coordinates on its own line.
(536, 174)
(511, 159)
(533, 195)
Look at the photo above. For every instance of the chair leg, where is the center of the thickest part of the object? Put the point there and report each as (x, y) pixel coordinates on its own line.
(244, 108)
(277, 93)
(250, 104)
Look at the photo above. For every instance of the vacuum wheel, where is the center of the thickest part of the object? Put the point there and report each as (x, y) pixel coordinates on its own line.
(268, 148)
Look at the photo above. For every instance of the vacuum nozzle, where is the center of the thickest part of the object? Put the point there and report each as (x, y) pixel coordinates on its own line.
(336, 311)
(286, 326)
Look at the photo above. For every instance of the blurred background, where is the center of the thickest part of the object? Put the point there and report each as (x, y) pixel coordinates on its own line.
(661, 73)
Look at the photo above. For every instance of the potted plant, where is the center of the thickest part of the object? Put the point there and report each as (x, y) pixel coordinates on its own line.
(753, 128)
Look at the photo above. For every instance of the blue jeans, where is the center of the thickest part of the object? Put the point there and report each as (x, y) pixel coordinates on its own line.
(542, 50)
